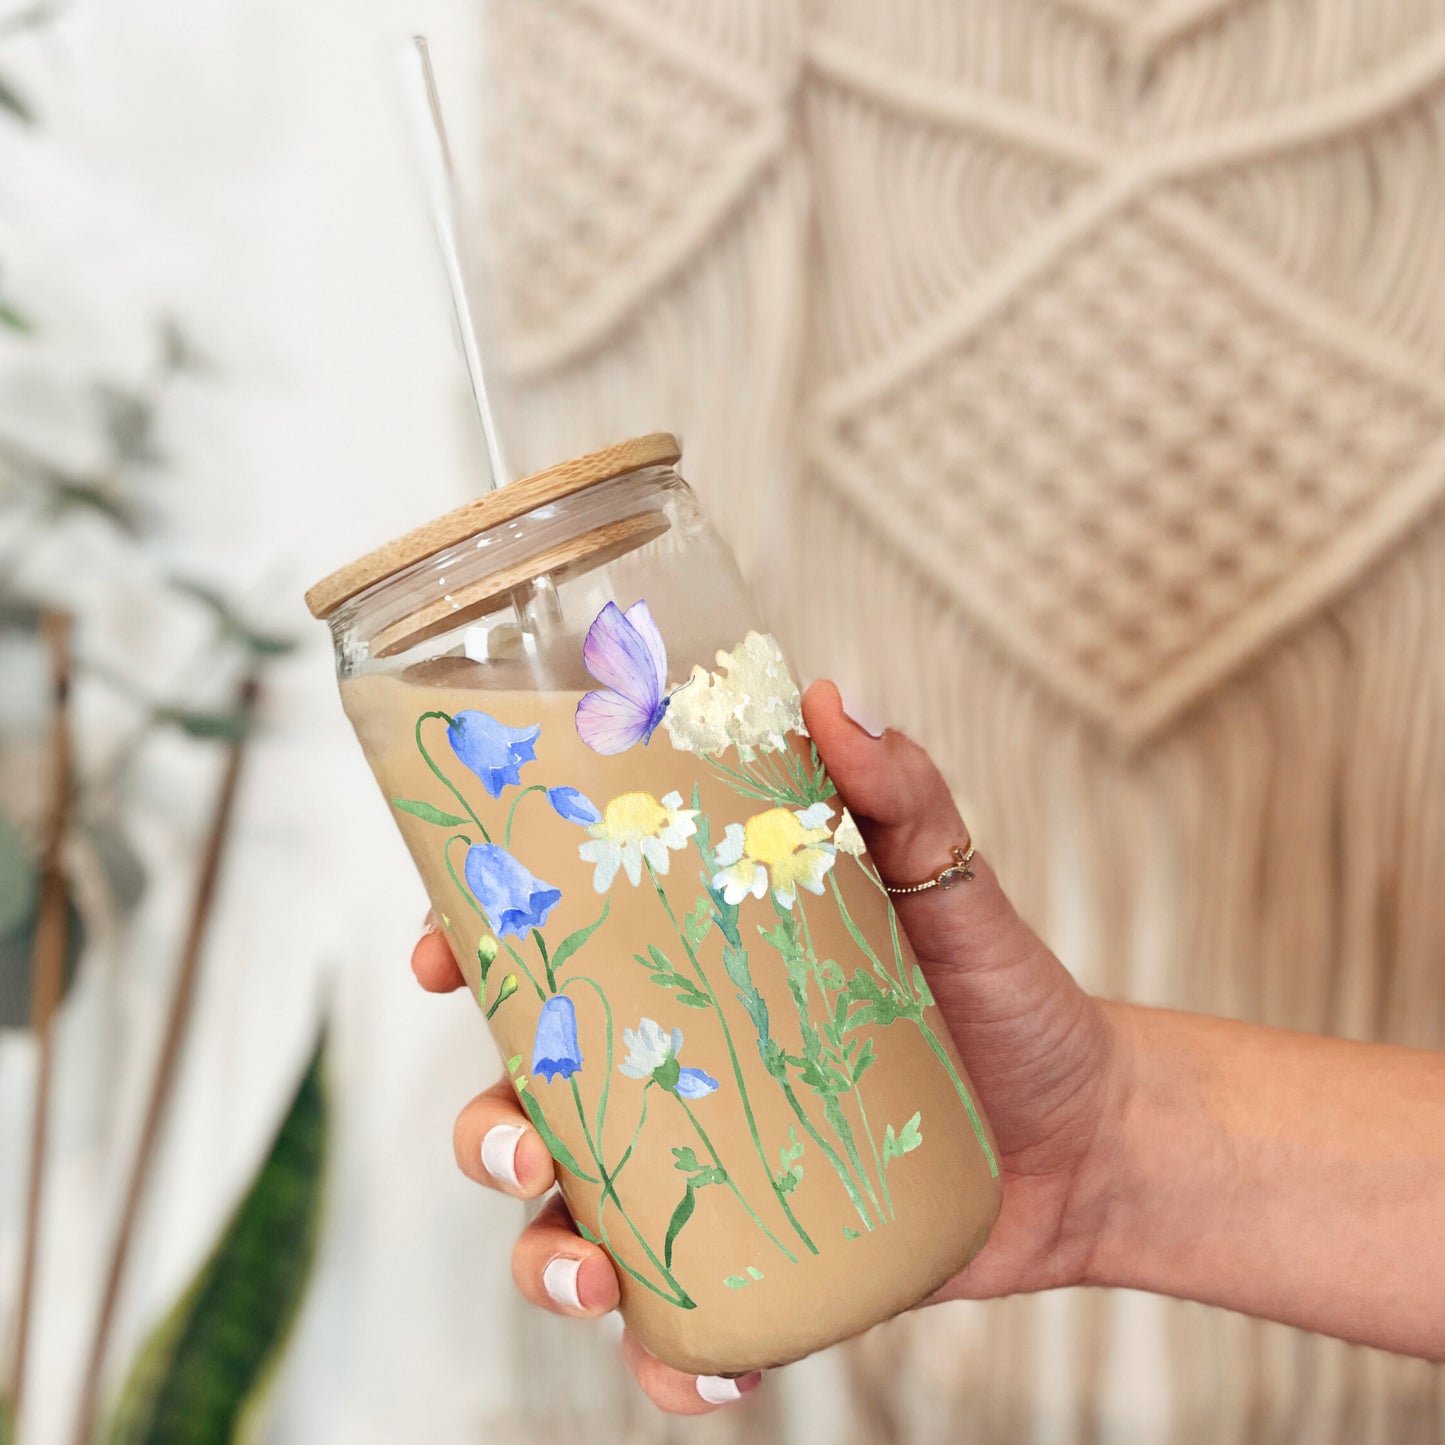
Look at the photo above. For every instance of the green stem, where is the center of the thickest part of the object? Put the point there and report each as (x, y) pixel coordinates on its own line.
(609, 1190)
(832, 1110)
(512, 811)
(545, 957)
(607, 1078)
(446, 782)
(979, 1132)
(915, 1015)
(702, 977)
(749, 787)
(732, 1183)
(829, 1153)
(641, 1120)
(859, 937)
(877, 1158)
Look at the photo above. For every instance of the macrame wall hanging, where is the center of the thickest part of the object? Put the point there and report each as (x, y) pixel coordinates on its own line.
(1069, 378)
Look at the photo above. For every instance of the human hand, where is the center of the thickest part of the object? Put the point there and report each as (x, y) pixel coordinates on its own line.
(1041, 1054)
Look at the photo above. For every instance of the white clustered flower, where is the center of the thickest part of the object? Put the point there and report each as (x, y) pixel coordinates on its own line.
(847, 838)
(752, 704)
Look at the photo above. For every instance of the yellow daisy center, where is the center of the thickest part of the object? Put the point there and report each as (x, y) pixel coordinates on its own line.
(631, 817)
(774, 837)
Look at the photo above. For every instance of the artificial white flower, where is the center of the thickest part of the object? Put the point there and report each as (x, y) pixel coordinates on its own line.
(636, 827)
(752, 704)
(781, 848)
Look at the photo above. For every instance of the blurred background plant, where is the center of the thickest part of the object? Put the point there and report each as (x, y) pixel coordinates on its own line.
(86, 478)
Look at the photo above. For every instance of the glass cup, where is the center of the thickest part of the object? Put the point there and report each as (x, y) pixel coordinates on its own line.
(596, 756)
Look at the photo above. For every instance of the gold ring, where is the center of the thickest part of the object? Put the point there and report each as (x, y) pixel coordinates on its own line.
(946, 876)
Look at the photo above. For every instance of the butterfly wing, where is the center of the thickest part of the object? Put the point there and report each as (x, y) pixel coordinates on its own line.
(610, 723)
(621, 658)
(640, 616)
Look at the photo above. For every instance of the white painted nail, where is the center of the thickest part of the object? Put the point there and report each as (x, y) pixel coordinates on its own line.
(499, 1152)
(718, 1389)
(559, 1279)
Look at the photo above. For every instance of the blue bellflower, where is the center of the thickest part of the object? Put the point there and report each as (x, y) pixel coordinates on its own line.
(492, 750)
(513, 900)
(694, 1083)
(556, 1049)
(574, 806)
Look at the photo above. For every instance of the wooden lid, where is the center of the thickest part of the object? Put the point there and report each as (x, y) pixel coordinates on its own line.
(503, 505)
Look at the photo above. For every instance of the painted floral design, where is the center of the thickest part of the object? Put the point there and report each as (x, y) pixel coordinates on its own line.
(652, 1054)
(512, 899)
(575, 807)
(492, 750)
(752, 704)
(635, 828)
(743, 724)
(556, 1051)
(846, 837)
(783, 849)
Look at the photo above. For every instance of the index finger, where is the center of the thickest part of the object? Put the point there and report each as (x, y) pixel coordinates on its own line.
(433, 964)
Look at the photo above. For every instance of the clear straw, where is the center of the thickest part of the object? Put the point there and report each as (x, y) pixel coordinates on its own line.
(434, 157)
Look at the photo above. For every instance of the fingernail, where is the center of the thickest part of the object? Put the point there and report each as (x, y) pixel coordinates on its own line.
(499, 1152)
(559, 1279)
(724, 1389)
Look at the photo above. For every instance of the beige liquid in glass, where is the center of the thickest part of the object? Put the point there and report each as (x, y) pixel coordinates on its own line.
(756, 1275)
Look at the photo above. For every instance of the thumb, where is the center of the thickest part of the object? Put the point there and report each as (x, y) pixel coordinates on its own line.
(908, 818)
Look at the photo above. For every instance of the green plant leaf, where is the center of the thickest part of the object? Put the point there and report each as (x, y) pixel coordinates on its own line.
(908, 1138)
(200, 723)
(558, 1150)
(920, 987)
(735, 1281)
(697, 923)
(851, 1233)
(687, 1159)
(18, 882)
(17, 954)
(514, 1063)
(13, 319)
(574, 941)
(680, 1216)
(864, 1060)
(427, 813)
(207, 1362)
(754, 1272)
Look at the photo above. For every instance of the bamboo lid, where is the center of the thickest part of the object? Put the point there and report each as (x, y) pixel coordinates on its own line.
(503, 505)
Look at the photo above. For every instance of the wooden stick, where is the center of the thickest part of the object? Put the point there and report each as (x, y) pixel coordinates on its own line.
(47, 972)
(177, 1017)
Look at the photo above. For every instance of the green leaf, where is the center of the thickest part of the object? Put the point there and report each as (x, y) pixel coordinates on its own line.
(7, 1421)
(687, 1159)
(851, 1233)
(680, 1216)
(735, 1281)
(694, 1000)
(864, 1060)
(697, 923)
(754, 1272)
(830, 974)
(17, 951)
(11, 100)
(208, 1360)
(507, 989)
(200, 723)
(667, 1074)
(908, 1138)
(559, 1151)
(14, 319)
(427, 813)
(18, 881)
(574, 941)
(920, 987)
(513, 1063)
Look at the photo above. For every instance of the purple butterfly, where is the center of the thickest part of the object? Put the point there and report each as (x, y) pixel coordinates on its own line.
(625, 653)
